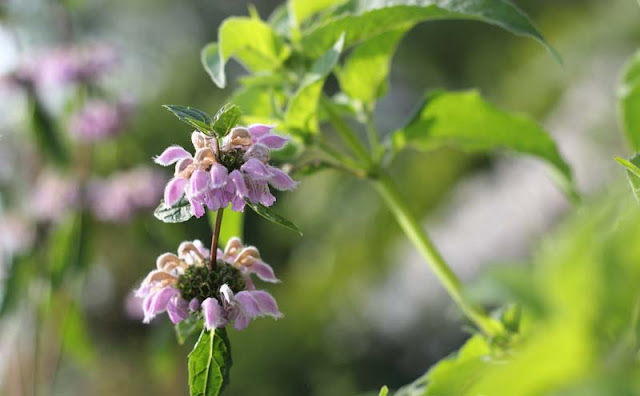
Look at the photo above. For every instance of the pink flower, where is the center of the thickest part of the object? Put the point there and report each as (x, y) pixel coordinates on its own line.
(54, 196)
(239, 171)
(99, 120)
(184, 285)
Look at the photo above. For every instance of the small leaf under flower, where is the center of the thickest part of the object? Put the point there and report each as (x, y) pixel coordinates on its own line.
(272, 216)
(179, 212)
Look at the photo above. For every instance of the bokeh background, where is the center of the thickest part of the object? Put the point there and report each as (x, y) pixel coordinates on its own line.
(362, 309)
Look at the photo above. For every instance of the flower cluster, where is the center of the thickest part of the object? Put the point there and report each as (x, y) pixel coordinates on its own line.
(99, 120)
(227, 173)
(186, 284)
(118, 197)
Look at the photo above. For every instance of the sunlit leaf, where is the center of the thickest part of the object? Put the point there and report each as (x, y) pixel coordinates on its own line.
(303, 9)
(272, 216)
(633, 173)
(384, 391)
(464, 120)
(364, 73)
(629, 101)
(225, 119)
(301, 113)
(251, 41)
(209, 363)
(373, 17)
(177, 213)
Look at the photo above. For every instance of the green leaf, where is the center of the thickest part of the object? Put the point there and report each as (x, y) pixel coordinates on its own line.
(301, 114)
(251, 41)
(68, 247)
(270, 215)
(17, 273)
(633, 173)
(466, 121)
(374, 17)
(177, 213)
(303, 9)
(365, 70)
(187, 328)
(46, 132)
(629, 101)
(232, 225)
(225, 119)
(192, 116)
(76, 337)
(209, 363)
(384, 391)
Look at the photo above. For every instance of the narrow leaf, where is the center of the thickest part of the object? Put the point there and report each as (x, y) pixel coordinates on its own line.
(384, 391)
(629, 101)
(464, 120)
(192, 116)
(375, 17)
(68, 247)
(46, 132)
(209, 363)
(177, 213)
(272, 216)
(633, 173)
(301, 114)
(225, 119)
(251, 41)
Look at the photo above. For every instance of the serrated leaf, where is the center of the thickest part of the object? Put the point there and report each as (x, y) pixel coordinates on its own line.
(225, 119)
(301, 113)
(177, 213)
(272, 216)
(464, 120)
(633, 173)
(187, 328)
(193, 117)
(629, 101)
(209, 363)
(374, 17)
(364, 73)
(251, 41)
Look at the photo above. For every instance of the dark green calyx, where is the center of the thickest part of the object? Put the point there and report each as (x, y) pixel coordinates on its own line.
(201, 282)
(232, 159)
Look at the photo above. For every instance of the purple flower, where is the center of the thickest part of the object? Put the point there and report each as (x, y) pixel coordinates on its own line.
(183, 285)
(54, 196)
(239, 171)
(120, 196)
(99, 120)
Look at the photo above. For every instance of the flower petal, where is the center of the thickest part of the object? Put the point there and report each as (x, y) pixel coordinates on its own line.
(174, 190)
(238, 181)
(256, 169)
(171, 155)
(259, 130)
(177, 310)
(281, 180)
(213, 314)
(264, 271)
(247, 304)
(267, 303)
(199, 182)
(196, 208)
(218, 175)
(274, 142)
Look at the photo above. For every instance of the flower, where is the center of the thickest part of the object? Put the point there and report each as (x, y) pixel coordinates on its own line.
(53, 197)
(99, 120)
(239, 170)
(118, 197)
(184, 285)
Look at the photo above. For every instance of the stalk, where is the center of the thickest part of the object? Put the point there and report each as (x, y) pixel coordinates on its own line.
(214, 239)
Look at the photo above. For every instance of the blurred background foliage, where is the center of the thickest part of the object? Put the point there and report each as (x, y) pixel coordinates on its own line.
(351, 325)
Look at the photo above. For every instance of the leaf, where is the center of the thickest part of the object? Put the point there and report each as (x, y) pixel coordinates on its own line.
(251, 41)
(76, 339)
(303, 9)
(225, 119)
(15, 280)
(187, 328)
(365, 70)
(68, 247)
(466, 121)
(629, 101)
(46, 133)
(301, 114)
(633, 173)
(384, 391)
(209, 363)
(272, 216)
(375, 17)
(193, 117)
(177, 213)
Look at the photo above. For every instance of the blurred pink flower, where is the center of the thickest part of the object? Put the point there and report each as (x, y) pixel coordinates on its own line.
(99, 120)
(239, 171)
(118, 197)
(54, 196)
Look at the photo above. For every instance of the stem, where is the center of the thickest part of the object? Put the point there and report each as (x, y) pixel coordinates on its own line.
(421, 240)
(214, 239)
(372, 135)
(345, 132)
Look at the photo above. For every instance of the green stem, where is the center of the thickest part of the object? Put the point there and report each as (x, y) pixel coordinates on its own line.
(372, 135)
(214, 239)
(421, 240)
(345, 132)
